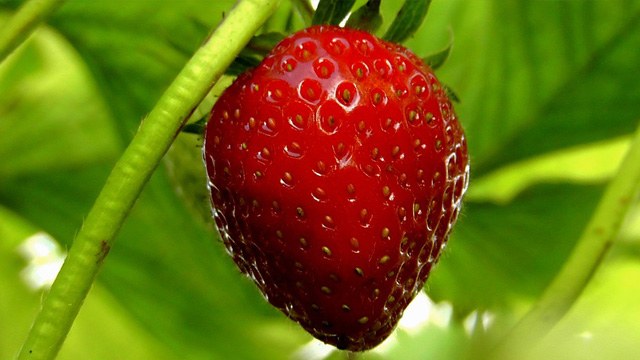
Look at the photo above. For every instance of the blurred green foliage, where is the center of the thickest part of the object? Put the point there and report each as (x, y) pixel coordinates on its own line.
(549, 90)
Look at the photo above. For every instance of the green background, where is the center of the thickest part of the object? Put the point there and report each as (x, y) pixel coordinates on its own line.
(550, 91)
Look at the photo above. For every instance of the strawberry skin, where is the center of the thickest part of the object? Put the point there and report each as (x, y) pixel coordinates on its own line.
(336, 169)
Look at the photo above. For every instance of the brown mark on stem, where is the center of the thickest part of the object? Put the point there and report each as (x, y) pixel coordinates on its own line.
(104, 251)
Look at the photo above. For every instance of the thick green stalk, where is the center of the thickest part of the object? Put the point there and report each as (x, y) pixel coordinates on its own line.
(591, 248)
(23, 22)
(131, 172)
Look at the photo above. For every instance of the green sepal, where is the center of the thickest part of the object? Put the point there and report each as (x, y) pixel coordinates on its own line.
(331, 11)
(196, 127)
(367, 17)
(263, 43)
(408, 20)
(242, 64)
(451, 94)
(436, 60)
(254, 52)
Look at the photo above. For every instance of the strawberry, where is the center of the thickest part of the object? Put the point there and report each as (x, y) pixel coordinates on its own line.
(336, 169)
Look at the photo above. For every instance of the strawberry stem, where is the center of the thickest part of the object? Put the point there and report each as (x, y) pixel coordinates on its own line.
(598, 237)
(351, 355)
(123, 186)
(23, 23)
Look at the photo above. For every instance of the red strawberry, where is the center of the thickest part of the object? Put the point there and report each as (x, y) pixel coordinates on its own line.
(336, 168)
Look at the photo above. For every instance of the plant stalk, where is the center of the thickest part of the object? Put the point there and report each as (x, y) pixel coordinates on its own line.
(131, 172)
(351, 355)
(598, 236)
(23, 23)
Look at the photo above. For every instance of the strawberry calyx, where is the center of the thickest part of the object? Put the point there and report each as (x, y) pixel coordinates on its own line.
(366, 18)
(333, 12)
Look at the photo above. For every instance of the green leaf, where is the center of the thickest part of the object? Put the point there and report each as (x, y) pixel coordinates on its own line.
(331, 11)
(264, 43)
(254, 52)
(500, 254)
(55, 200)
(117, 329)
(451, 94)
(241, 64)
(408, 20)
(196, 127)
(53, 134)
(367, 17)
(34, 110)
(603, 323)
(529, 91)
(147, 33)
(539, 77)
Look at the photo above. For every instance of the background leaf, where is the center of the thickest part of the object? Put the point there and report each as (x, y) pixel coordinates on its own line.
(528, 92)
(500, 254)
(544, 75)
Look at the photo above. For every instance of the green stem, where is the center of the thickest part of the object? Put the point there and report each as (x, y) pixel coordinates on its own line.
(131, 172)
(588, 253)
(23, 23)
